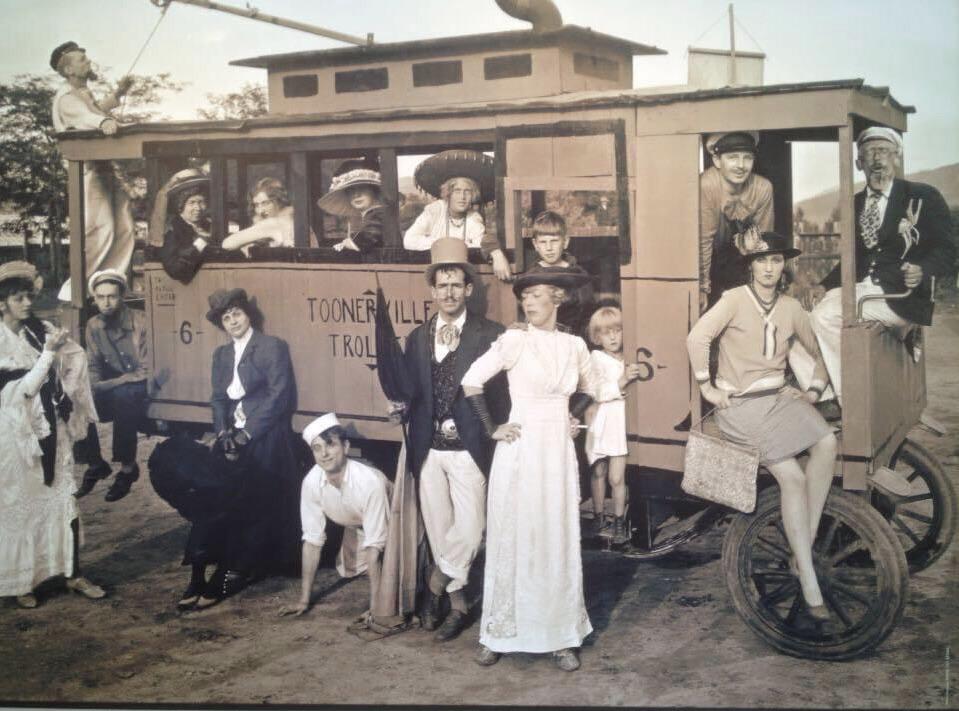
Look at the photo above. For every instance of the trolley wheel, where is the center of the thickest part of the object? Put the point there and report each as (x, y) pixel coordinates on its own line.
(861, 568)
(925, 521)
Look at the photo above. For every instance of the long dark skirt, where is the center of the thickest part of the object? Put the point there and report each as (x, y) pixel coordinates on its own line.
(245, 514)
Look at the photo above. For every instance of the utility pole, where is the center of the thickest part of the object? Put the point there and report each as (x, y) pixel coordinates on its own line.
(732, 47)
(253, 14)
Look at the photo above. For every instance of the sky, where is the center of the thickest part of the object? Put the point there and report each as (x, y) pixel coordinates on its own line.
(913, 48)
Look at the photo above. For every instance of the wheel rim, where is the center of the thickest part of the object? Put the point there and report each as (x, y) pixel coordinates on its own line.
(920, 520)
(855, 586)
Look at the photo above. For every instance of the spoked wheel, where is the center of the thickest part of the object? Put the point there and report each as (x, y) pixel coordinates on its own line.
(860, 565)
(925, 520)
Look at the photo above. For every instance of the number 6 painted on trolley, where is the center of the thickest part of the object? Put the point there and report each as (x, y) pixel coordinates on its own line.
(647, 371)
(186, 335)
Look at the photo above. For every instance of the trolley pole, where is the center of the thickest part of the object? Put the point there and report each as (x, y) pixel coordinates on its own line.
(732, 46)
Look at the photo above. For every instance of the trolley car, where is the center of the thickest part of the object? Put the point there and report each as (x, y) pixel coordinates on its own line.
(557, 111)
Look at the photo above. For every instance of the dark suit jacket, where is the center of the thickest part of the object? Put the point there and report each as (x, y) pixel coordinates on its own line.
(266, 373)
(477, 336)
(935, 251)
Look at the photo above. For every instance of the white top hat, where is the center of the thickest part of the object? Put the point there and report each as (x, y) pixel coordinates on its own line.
(319, 426)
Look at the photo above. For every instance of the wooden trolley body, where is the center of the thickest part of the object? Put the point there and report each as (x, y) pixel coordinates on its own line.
(647, 148)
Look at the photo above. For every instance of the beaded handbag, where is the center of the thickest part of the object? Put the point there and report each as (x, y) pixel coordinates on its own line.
(720, 471)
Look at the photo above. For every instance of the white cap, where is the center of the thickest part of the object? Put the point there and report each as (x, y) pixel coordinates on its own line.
(114, 276)
(319, 426)
(880, 133)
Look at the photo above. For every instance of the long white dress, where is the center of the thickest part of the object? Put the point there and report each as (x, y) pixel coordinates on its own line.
(36, 538)
(533, 588)
(606, 436)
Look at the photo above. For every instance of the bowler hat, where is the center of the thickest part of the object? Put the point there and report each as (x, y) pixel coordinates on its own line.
(449, 252)
(771, 243)
(63, 49)
(349, 174)
(566, 278)
(458, 163)
(223, 299)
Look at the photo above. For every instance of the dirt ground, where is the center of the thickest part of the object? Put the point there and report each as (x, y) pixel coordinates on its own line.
(666, 632)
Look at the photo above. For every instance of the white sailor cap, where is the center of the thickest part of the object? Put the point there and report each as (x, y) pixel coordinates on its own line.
(880, 133)
(114, 276)
(319, 426)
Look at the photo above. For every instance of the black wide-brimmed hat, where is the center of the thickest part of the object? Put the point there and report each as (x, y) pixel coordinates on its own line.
(349, 174)
(223, 299)
(770, 243)
(457, 163)
(566, 278)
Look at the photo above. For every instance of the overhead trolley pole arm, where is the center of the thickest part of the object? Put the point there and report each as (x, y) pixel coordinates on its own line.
(253, 14)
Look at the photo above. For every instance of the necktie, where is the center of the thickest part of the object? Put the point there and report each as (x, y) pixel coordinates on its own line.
(449, 336)
(869, 221)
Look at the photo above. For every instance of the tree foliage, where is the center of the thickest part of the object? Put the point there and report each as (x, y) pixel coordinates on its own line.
(32, 173)
(248, 102)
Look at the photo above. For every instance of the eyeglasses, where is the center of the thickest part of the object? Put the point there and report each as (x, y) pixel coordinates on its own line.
(878, 152)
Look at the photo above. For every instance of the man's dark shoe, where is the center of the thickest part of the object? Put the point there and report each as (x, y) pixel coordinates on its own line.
(91, 476)
(432, 611)
(451, 627)
(121, 485)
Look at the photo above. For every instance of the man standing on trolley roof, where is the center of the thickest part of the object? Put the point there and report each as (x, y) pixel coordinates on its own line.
(109, 223)
(733, 201)
(451, 454)
(903, 238)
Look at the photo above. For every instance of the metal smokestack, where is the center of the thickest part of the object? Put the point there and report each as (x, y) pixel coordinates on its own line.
(543, 14)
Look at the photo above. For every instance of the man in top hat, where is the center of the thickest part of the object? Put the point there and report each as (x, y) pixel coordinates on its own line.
(451, 454)
(117, 351)
(108, 222)
(903, 239)
(461, 180)
(732, 201)
(350, 493)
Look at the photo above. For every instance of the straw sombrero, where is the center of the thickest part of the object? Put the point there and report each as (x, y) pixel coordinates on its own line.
(459, 163)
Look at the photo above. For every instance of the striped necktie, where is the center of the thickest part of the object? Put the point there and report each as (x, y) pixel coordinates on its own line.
(870, 220)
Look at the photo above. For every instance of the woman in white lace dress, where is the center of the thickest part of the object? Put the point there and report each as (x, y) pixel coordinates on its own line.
(533, 588)
(45, 406)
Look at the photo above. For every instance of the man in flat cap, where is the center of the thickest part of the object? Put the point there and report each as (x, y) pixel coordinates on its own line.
(733, 203)
(108, 224)
(903, 239)
(118, 356)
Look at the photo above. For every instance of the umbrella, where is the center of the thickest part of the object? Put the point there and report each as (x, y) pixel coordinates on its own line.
(390, 363)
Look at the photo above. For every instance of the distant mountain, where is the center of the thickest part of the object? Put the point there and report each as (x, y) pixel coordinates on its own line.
(818, 209)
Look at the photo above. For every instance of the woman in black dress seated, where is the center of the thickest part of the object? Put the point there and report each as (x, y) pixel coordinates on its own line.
(242, 496)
